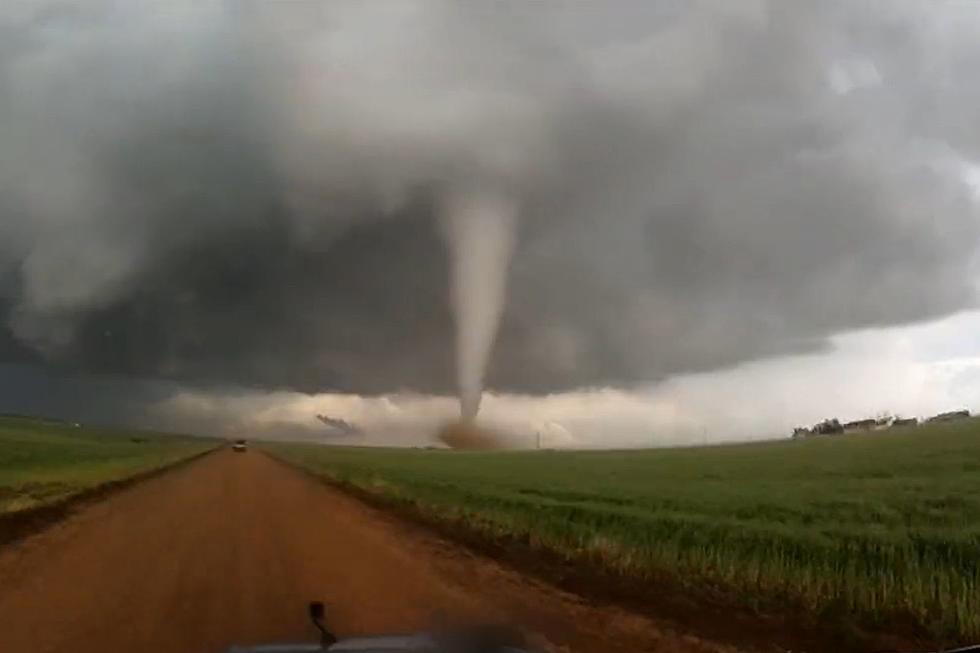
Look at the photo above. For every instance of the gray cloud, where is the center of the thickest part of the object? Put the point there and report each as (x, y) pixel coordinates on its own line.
(245, 193)
(339, 427)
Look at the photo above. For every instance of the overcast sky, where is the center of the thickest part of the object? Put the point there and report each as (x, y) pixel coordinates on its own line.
(732, 216)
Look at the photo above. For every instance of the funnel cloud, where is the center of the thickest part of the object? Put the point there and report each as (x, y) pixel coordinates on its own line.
(324, 197)
(479, 228)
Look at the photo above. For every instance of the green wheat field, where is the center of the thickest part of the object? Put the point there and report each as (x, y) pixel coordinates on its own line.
(43, 461)
(883, 526)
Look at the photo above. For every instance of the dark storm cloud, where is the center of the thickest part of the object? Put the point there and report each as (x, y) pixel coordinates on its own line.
(238, 193)
(92, 399)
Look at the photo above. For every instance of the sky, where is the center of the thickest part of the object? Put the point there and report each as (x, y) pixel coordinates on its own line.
(711, 220)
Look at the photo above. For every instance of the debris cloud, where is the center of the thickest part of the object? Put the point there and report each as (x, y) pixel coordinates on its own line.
(466, 435)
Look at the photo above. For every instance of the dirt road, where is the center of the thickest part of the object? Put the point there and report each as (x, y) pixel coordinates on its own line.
(228, 550)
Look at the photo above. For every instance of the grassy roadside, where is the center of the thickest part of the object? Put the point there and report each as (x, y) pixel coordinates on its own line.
(881, 530)
(43, 463)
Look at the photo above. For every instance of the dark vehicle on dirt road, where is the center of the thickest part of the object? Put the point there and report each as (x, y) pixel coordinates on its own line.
(479, 639)
(240, 446)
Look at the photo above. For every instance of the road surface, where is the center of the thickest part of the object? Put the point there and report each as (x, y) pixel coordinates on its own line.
(228, 549)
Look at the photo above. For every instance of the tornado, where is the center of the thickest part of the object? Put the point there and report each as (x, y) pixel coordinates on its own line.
(478, 226)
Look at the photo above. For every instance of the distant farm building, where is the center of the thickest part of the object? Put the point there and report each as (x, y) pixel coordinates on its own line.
(899, 422)
(860, 425)
(951, 416)
(834, 427)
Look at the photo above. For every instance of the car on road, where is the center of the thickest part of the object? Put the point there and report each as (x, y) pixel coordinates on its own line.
(240, 446)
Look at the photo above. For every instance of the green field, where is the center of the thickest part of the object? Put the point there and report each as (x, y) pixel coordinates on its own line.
(883, 528)
(43, 462)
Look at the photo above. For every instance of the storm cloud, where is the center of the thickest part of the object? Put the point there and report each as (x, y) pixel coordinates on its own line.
(248, 193)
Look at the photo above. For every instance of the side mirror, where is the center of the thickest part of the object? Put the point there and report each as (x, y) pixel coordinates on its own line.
(317, 611)
(317, 614)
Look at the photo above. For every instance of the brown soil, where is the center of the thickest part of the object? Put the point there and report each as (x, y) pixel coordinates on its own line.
(228, 550)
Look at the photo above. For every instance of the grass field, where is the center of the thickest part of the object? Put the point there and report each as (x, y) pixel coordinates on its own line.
(883, 528)
(43, 462)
